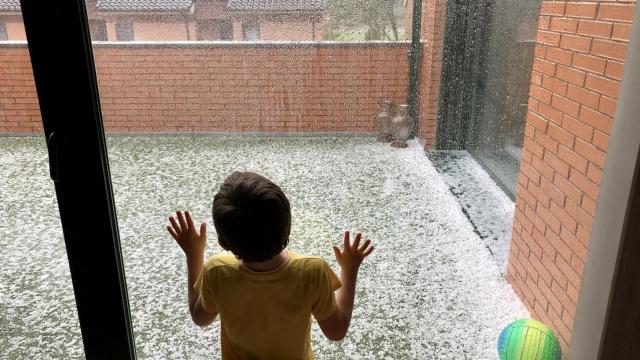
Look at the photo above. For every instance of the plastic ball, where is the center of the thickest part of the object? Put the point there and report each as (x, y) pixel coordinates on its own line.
(528, 340)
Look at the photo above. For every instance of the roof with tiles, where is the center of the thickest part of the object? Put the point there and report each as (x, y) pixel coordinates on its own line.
(277, 5)
(181, 5)
(120, 5)
(143, 5)
(9, 5)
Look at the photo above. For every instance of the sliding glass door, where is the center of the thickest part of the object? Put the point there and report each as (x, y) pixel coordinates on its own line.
(486, 73)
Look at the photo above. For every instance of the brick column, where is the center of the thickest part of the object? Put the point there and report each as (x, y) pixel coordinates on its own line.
(579, 57)
(15, 31)
(192, 31)
(431, 38)
(111, 31)
(237, 30)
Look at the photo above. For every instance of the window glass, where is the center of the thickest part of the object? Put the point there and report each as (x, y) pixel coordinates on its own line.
(3, 32)
(98, 30)
(39, 318)
(124, 31)
(251, 31)
(295, 97)
(226, 30)
(209, 30)
(37, 305)
(310, 94)
(487, 93)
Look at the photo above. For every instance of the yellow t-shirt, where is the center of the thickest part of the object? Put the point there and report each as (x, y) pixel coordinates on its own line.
(267, 315)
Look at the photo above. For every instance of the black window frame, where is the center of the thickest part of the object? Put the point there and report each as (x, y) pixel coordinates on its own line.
(79, 167)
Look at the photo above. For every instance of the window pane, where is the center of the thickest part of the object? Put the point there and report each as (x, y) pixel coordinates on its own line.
(384, 20)
(98, 30)
(124, 32)
(489, 56)
(181, 116)
(304, 114)
(304, 106)
(37, 303)
(250, 20)
(226, 30)
(3, 32)
(39, 318)
(251, 31)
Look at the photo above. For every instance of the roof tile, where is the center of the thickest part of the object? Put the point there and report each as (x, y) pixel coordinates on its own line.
(9, 5)
(143, 5)
(277, 5)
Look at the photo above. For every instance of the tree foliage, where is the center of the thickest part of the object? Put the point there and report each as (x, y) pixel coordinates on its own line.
(378, 19)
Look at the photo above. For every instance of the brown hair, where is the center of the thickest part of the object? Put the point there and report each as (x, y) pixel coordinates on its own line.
(252, 216)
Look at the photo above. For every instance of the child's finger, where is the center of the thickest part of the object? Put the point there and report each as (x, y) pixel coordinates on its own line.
(175, 225)
(346, 240)
(336, 251)
(172, 232)
(368, 251)
(183, 224)
(203, 230)
(364, 245)
(356, 242)
(189, 221)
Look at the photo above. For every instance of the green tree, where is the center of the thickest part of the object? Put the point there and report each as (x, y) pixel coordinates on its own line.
(372, 19)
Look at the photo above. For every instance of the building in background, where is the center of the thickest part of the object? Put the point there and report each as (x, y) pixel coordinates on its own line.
(189, 20)
(11, 27)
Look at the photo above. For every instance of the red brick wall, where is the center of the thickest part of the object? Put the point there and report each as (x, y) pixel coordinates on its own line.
(574, 86)
(238, 87)
(431, 37)
(19, 111)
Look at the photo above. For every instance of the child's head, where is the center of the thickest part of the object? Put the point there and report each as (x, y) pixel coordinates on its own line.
(252, 216)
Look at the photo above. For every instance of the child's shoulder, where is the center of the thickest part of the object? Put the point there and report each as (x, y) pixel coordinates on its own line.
(316, 270)
(307, 261)
(221, 259)
(294, 256)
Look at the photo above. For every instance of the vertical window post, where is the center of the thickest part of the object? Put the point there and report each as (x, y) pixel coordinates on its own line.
(414, 64)
(65, 78)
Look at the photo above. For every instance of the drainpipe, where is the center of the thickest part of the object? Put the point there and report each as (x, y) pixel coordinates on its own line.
(186, 20)
(414, 55)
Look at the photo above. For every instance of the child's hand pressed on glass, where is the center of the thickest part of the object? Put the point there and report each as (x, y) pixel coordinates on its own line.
(192, 243)
(353, 254)
(335, 327)
(184, 232)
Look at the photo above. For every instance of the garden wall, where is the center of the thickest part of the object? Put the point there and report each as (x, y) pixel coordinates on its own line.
(579, 58)
(219, 87)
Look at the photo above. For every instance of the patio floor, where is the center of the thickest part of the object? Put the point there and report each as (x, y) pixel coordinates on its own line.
(431, 290)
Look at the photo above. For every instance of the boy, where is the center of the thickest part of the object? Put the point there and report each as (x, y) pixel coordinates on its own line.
(265, 294)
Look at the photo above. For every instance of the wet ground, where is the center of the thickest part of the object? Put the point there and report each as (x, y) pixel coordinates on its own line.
(431, 290)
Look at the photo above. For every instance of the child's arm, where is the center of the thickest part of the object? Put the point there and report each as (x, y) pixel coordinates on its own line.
(193, 244)
(335, 327)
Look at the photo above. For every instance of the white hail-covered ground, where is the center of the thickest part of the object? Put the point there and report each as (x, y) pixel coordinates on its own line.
(430, 290)
(487, 207)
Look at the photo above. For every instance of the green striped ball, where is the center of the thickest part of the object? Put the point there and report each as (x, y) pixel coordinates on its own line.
(528, 340)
